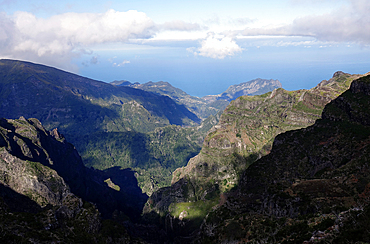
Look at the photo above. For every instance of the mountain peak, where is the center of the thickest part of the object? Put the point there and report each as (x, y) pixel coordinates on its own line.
(338, 73)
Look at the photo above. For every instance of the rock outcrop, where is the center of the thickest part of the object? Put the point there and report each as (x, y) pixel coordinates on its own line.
(45, 189)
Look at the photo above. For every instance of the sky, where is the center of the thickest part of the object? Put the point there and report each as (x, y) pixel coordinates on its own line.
(199, 46)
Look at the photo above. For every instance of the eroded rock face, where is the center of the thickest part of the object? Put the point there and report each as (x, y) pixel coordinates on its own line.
(45, 189)
(21, 170)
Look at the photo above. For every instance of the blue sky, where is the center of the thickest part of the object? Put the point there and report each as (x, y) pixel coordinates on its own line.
(201, 46)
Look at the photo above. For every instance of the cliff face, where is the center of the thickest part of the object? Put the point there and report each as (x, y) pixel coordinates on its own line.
(244, 134)
(313, 185)
(41, 181)
(249, 125)
(21, 154)
(47, 194)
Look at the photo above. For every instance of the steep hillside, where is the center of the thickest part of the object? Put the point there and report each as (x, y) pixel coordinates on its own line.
(314, 186)
(245, 133)
(28, 149)
(94, 114)
(249, 125)
(45, 189)
(153, 156)
(80, 105)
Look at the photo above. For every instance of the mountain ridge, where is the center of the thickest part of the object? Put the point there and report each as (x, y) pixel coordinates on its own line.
(244, 134)
(82, 108)
(312, 187)
(207, 105)
(253, 87)
(61, 95)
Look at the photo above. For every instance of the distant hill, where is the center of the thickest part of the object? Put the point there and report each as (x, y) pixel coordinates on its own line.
(121, 83)
(76, 104)
(208, 105)
(250, 88)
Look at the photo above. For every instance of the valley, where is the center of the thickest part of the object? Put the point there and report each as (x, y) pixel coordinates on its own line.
(112, 125)
(148, 163)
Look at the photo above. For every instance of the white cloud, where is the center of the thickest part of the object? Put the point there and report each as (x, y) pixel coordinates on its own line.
(62, 37)
(66, 31)
(179, 25)
(241, 21)
(350, 23)
(121, 64)
(112, 59)
(217, 47)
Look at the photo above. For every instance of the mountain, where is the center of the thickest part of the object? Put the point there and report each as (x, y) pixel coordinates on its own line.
(47, 194)
(208, 105)
(249, 124)
(251, 88)
(80, 105)
(94, 114)
(245, 133)
(121, 83)
(202, 108)
(314, 186)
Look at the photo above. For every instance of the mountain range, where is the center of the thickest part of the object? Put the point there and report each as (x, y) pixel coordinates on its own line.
(111, 125)
(203, 107)
(245, 133)
(281, 167)
(78, 104)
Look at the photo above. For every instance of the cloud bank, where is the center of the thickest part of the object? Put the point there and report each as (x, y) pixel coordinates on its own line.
(60, 38)
(179, 25)
(64, 36)
(347, 24)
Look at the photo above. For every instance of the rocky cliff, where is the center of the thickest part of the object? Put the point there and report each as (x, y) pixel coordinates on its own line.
(313, 186)
(45, 190)
(245, 133)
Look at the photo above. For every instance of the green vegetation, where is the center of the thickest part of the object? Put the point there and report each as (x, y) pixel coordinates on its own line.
(192, 212)
(154, 156)
(197, 209)
(112, 185)
(201, 107)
